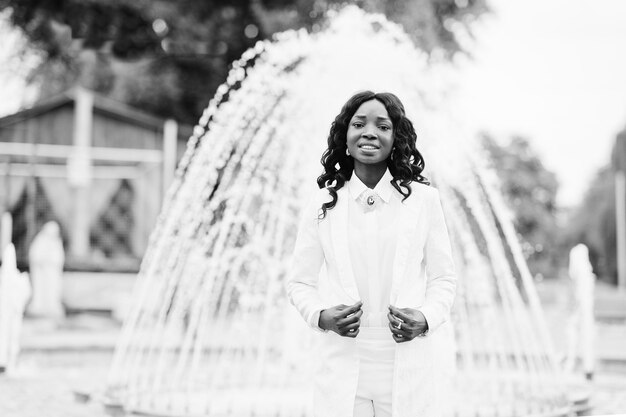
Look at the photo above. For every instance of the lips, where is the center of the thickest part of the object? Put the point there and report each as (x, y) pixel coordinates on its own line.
(368, 147)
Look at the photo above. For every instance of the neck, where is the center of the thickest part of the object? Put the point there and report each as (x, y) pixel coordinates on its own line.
(370, 174)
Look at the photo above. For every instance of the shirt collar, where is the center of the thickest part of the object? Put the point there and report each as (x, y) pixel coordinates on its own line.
(383, 188)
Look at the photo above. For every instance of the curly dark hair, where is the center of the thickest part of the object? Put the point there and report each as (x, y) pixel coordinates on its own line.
(405, 162)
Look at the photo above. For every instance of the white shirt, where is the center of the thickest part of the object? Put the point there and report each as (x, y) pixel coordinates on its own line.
(372, 245)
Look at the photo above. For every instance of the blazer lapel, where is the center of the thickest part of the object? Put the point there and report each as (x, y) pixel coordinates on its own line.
(339, 236)
(407, 221)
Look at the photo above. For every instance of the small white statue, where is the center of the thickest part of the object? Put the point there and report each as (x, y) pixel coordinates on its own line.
(15, 290)
(46, 258)
(581, 329)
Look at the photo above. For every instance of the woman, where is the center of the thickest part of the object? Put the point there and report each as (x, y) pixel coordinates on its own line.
(378, 229)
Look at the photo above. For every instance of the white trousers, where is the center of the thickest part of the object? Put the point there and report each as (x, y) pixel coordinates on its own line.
(376, 353)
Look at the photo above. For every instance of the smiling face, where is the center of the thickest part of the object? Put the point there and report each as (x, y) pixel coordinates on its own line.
(370, 135)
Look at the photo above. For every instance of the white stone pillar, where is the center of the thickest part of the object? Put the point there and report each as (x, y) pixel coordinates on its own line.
(15, 291)
(581, 327)
(46, 258)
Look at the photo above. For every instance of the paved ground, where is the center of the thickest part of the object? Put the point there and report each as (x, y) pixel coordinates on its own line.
(75, 356)
(58, 360)
(45, 383)
(609, 394)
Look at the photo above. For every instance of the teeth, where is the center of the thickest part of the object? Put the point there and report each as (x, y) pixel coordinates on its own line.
(368, 147)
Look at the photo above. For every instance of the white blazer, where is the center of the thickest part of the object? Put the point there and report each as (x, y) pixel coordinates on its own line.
(423, 278)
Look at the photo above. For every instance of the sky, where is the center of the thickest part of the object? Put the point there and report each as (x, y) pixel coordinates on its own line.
(553, 71)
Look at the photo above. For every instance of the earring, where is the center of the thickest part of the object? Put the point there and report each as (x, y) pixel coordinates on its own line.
(347, 152)
(391, 154)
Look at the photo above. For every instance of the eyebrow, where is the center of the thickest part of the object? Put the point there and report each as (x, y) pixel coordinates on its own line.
(362, 116)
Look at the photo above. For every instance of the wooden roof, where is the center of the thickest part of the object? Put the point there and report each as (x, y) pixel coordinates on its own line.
(102, 105)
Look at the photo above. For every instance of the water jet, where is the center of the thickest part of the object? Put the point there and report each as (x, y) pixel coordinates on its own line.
(211, 331)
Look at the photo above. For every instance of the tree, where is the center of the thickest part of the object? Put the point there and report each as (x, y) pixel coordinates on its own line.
(530, 191)
(169, 56)
(594, 221)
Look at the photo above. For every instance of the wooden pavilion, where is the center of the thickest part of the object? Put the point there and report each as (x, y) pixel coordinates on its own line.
(96, 166)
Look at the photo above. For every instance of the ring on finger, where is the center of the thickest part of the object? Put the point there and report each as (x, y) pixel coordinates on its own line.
(399, 326)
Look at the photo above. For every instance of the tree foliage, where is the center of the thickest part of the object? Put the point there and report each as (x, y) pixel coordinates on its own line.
(530, 191)
(594, 221)
(169, 56)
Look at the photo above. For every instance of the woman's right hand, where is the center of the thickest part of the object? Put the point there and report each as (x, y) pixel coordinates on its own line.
(342, 319)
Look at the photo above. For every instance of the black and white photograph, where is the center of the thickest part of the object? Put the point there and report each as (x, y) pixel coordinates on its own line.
(312, 208)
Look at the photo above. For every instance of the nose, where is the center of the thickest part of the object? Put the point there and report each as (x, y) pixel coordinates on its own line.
(369, 134)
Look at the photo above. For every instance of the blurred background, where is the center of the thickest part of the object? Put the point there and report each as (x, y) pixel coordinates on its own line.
(541, 81)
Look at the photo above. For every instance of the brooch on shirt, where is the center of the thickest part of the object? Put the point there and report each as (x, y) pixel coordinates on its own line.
(369, 200)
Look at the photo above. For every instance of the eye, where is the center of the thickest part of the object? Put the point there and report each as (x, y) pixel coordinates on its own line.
(357, 124)
(384, 128)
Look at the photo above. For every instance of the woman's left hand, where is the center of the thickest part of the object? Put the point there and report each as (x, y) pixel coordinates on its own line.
(406, 323)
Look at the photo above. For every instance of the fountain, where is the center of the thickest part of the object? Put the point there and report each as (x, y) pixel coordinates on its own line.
(211, 332)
